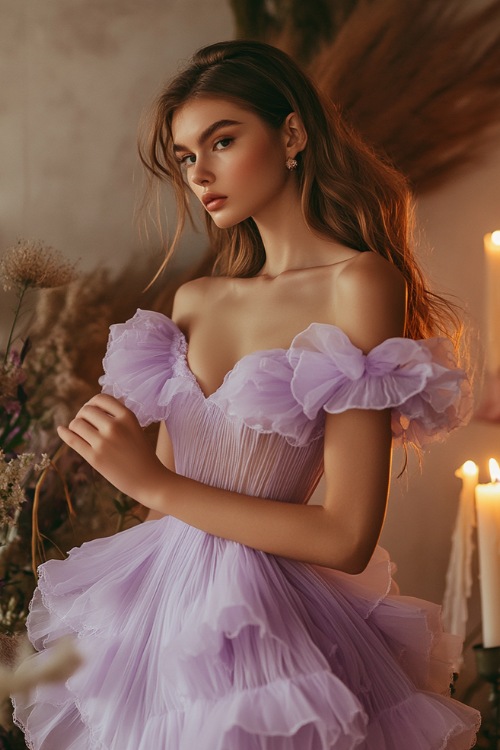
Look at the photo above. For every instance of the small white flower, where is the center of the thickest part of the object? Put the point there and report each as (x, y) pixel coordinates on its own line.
(13, 473)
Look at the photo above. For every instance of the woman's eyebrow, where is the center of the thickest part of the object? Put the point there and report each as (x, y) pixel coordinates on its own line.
(207, 133)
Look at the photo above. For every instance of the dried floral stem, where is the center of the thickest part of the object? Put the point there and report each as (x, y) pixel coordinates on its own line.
(125, 515)
(20, 299)
(64, 483)
(51, 541)
(36, 536)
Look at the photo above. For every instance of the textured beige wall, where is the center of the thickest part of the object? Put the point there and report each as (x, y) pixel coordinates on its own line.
(74, 77)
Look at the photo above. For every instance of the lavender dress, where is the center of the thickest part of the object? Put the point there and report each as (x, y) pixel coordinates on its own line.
(197, 643)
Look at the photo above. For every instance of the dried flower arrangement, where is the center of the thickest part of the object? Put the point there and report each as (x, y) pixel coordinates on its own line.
(420, 81)
(48, 505)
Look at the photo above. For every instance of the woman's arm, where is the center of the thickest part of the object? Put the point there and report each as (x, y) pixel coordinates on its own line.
(341, 533)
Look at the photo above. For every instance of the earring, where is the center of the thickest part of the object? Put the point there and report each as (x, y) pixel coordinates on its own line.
(291, 164)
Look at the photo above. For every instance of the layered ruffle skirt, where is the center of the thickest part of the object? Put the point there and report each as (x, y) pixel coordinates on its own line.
(192, 642)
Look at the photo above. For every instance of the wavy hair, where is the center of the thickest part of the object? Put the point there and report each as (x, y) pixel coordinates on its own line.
(349, 193)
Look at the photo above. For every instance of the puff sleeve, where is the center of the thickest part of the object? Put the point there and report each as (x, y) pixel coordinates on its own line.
(141, 365)
(419, 380)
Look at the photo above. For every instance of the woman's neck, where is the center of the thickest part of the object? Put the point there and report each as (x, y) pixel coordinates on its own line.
(290, 244)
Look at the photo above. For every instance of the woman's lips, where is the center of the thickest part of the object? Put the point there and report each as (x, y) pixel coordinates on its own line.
(215, 202)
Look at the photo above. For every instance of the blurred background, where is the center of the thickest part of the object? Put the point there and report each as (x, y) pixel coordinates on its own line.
(75, 76)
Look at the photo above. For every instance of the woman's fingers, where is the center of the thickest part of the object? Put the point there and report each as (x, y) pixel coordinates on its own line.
(75, 441)
(91, 416)
(109, 404)
(96, 421)
(108, 436)
(102, 414)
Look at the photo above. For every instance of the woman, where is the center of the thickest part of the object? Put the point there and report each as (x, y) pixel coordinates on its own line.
(244, 618)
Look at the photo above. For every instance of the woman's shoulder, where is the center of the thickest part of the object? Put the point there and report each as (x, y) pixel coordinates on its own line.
(194, 290)
(195, 296)
(370, 272)
(370, 300)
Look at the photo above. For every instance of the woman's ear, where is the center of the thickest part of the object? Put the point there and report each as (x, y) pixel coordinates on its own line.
(295, 135)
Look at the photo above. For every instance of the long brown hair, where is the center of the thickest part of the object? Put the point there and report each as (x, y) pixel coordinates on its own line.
(348, 193)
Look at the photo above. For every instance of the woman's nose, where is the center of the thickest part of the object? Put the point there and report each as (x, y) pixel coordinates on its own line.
(200, 174)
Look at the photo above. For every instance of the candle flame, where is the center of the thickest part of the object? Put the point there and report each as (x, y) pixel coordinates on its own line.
(495, 237)
(494, 470)
(469, 468)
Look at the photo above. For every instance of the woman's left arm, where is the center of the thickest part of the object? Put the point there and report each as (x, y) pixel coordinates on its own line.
(342, 532)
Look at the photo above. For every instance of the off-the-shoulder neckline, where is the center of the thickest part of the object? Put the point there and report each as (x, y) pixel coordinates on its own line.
(258, 353)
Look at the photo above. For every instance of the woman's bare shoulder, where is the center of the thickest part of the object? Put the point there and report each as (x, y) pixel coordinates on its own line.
(370, 300)
(372, 270)
(195, 296)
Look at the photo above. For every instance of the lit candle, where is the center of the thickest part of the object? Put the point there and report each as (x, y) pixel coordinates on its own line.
(488, 532)
(492, 251)
(459, 575)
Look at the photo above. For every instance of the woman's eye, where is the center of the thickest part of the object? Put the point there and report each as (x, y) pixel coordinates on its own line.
(190, 159)
(185, 161)
(223, 143)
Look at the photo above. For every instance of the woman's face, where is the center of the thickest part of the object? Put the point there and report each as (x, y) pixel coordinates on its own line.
(234, 162)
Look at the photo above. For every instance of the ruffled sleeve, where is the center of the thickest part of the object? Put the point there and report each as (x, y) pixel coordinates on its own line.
(141, 364)
(419, 380)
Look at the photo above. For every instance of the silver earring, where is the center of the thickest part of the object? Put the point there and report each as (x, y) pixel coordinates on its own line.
(291, 164)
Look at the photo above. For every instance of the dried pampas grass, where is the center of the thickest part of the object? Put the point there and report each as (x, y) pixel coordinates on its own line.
(421, 81)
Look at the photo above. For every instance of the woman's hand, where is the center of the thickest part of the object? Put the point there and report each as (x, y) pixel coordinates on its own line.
(107, 435)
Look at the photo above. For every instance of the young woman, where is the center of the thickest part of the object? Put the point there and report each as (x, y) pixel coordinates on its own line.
(244, 618)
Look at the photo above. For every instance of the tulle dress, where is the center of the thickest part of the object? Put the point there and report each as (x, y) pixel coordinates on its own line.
(193, 642)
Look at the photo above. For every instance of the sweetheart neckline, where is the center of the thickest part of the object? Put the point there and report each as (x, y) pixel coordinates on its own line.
(257, 352)
(232, 370)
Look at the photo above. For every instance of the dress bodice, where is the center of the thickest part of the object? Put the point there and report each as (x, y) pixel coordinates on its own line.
(261, 431)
